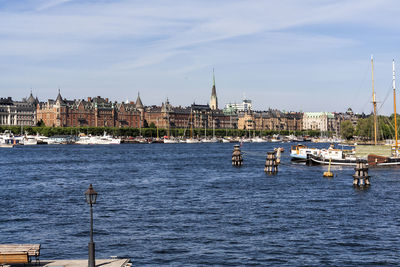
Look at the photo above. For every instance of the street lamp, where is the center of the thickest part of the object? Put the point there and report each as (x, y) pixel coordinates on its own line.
(91, 197)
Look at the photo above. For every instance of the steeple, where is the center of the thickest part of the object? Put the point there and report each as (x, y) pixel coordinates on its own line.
(213, 99)
(31, 100)
(139, 104)
(59, 98)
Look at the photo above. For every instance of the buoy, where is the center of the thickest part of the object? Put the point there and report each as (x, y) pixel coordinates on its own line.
(328, 173)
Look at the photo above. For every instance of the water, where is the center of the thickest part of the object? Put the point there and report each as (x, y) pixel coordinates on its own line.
(184, 204)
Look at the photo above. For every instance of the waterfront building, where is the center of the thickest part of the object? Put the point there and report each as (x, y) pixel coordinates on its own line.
(246, 121)
(322, 121)
(18, 113)
(245, 106)
(270, 120)
(200, 116)
(93, 112)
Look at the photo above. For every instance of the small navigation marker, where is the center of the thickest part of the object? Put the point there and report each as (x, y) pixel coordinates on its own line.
(328, 173)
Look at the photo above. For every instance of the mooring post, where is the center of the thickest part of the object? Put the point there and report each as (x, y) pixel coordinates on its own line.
(271, 166)
(237, 159)
(361, 177)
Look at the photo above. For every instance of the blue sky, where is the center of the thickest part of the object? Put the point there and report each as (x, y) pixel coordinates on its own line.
(310, 55)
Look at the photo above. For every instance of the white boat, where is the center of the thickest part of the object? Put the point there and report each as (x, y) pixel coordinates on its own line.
(86, 140)
(171, 141)
(7, 139)
(193, 141)
(258, 140)
(107, 140)
(300, 152)
(29, 140)
(207, 140)
(225, 140)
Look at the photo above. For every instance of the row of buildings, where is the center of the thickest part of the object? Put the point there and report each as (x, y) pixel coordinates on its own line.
(101, 112)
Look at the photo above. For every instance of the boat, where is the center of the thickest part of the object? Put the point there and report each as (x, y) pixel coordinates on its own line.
(301, 152)
(380, 155)
(209, 140)
(170, 140)
(275, 138)
(192, 140)
(98, 140)
(258, 140)
(8, 140)
(85, 140)
(107, 140)
(375, 155)
(333, 156)
(29, 140)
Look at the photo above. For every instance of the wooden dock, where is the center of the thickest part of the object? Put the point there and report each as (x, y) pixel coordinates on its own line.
(84, 263)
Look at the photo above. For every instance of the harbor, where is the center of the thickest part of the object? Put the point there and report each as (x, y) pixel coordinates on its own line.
(187, 205)
(199, 133)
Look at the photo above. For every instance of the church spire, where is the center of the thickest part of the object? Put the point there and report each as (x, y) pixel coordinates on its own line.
(213, 78)
(214, 99)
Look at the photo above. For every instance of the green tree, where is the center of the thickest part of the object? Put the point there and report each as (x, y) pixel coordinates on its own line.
(347, 129)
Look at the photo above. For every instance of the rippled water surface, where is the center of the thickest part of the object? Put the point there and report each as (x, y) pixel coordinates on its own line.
(184, 204)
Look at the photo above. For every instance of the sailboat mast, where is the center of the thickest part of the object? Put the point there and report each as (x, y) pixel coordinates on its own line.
(373, 98)
(394, 100)
(191, 123)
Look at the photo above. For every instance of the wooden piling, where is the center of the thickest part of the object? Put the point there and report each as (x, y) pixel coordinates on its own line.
(271, 165)
(237, 159)
(361, 177)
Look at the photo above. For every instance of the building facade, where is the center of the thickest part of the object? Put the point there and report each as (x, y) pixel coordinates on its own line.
(93, 112)
(18, 113)
(322, 121)
(196, 116)
(245, 106)
(274, 120)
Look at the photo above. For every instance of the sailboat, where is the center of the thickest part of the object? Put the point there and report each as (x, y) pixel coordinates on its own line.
(384, 155)
(192, 140)
(169, 139)
(376, 155)
(213, 139)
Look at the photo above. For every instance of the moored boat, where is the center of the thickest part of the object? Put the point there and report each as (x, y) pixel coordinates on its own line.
(300, 152)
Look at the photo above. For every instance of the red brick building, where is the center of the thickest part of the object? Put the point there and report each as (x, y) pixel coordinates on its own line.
(95, 112)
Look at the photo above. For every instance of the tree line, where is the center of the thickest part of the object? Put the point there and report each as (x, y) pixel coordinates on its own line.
(364, 129)
(147, 132)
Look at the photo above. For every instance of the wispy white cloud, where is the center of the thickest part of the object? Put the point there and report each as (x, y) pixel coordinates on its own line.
(51, 4)
(170, 39)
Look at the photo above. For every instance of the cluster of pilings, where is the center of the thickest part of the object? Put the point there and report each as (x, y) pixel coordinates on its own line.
(361, 177)
(271, 163)
(237, 159)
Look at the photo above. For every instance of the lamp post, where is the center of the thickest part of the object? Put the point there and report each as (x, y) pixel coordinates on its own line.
(91, 197)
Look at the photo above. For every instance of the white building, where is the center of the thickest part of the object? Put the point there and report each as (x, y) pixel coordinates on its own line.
(323, 121)
(19, 113)
(245, 106)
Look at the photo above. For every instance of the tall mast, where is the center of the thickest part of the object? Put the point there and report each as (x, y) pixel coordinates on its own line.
(373, 98)
(191, 123)
(394, 100)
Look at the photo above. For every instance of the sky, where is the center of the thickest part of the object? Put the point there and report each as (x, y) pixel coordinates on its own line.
(309, 55)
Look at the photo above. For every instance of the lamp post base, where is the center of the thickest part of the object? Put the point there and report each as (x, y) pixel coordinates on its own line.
(91, 262)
